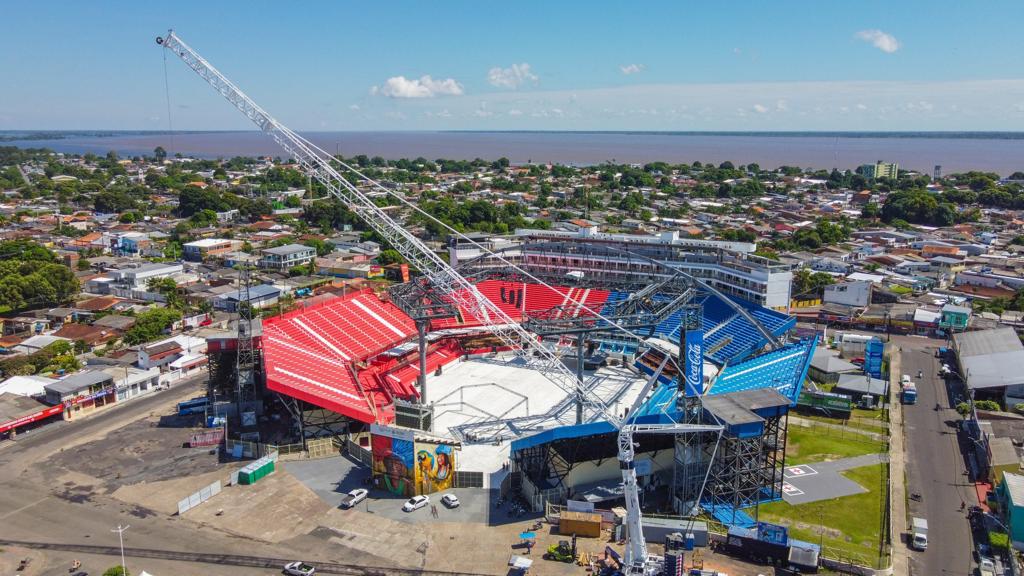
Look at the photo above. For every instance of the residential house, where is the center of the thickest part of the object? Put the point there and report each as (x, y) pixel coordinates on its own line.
(201, 250)
(287, 256)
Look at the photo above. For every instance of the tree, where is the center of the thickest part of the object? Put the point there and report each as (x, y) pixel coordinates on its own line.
(810, 284)
(389, 256)
(160, 154)
(323, 248)
(150, 324)
(116, 571)
(870, 211)
(919, 207)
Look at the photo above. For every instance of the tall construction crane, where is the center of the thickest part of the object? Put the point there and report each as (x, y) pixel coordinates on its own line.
(319, 164)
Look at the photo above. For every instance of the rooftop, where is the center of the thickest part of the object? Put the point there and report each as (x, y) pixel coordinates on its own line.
(990, 358)
(79, 381)
(287, 249)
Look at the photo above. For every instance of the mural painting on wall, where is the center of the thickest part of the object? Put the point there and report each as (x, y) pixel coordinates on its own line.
(435, 467)
(393, 459)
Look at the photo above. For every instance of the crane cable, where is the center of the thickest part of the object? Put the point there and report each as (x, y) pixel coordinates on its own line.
(167, 97)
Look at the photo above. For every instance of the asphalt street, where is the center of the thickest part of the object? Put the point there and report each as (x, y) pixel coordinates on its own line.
(935, 464)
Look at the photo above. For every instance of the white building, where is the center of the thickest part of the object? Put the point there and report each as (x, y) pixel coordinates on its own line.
(728, 266)
(126, 281)
(849, 294)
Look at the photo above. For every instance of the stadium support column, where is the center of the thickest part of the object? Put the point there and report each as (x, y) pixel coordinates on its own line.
(579, 378)
(421, 333)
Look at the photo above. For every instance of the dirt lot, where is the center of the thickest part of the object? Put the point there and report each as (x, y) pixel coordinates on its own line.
(147, 450)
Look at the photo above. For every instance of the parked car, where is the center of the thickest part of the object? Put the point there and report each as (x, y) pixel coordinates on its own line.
(299, 569)
(450, 500)
(415, 503)
(354, 497)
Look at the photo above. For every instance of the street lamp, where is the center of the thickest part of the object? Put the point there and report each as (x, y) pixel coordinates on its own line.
(120, 536)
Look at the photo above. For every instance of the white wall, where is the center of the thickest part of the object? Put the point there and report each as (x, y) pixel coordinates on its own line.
(849, 293)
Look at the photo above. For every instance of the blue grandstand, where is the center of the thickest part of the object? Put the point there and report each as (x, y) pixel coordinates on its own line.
(749, 395)
(728, 336)
(784, 370)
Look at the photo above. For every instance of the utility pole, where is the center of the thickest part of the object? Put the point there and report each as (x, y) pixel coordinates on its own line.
(120, 536)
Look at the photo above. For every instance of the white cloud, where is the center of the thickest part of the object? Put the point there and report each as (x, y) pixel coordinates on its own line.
(760, 109)
(354, 107)
(983, 105)
(424, 87)
(442, 114)
(512, 77)
(632, 68)
(515, 112)
(885, 42)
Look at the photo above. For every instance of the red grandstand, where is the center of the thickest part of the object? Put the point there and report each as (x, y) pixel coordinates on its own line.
(333, 354)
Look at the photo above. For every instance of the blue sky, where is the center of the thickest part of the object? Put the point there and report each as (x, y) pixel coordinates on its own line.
(781, 65)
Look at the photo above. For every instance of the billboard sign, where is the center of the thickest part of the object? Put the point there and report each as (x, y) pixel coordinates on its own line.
(693, 358)
(772, 533)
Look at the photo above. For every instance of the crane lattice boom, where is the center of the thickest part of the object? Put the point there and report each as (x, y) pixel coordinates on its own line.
(318, 164)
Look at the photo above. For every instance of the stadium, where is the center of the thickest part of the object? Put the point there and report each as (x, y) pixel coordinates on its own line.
(420, 381)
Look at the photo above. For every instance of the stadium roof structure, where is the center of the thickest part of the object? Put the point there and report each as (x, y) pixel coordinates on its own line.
(737, 408)
(785, 369)
(309, 354)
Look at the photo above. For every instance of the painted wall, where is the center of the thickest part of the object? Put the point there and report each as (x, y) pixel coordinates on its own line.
(394, 460)
(435, 467)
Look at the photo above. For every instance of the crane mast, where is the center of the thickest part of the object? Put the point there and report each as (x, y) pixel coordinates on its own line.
(318, 164)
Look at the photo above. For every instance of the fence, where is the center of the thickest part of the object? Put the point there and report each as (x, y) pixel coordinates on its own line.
(359, 453)
(207, 438)
(845, 432)
(198, 498)
(469, 479)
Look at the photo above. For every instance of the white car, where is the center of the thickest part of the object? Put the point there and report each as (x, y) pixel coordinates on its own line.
(450, 500)
(354, 497)
(299, 569)
(415, 503)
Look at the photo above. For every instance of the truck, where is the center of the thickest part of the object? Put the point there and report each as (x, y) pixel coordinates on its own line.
(919, 534)
(986, 567)
(909, 393)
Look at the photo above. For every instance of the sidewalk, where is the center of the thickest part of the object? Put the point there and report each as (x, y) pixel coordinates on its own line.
(897, 469)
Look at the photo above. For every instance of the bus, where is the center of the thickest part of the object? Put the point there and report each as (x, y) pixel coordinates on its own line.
(194, 406)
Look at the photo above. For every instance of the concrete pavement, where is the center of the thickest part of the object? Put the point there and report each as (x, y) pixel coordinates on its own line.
(823, 480)
(898, 521)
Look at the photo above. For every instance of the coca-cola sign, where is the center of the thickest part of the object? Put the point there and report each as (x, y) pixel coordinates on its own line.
(694, 362)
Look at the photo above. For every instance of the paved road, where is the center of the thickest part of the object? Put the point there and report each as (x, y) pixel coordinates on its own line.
(58, 434)
(935, 465)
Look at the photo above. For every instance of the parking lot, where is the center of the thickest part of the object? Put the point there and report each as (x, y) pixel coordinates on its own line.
(332, 478)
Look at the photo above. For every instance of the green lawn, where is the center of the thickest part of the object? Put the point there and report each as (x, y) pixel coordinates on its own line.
(848, 526)
(875, 425)
(819, 444)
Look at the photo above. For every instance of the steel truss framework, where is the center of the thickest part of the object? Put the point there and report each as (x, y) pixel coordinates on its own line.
(548, 465)
(246, 398)
(743, 473)
(222, 383)
(672, 282)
